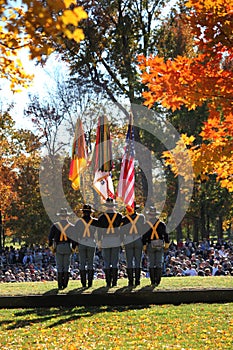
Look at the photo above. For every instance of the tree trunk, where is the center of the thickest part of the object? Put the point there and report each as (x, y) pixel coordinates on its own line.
(219, 227)
(145, 163)
(203, 222)
(196, 229)
(179, 233)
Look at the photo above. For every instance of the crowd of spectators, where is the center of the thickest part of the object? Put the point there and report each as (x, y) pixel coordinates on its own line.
(186, 258)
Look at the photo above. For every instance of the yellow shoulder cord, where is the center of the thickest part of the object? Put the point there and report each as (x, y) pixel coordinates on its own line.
(154, 230)
(63, 236)
(87, 225)
(133, 228)
(110, 223)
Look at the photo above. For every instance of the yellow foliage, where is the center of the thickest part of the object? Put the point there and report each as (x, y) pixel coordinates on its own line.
(68, 3)
(19, 30)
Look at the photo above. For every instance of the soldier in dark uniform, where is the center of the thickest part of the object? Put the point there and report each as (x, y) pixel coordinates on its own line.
(132, 229)
(62, 246)
(109, 235)
(155, 242)
(85, 229)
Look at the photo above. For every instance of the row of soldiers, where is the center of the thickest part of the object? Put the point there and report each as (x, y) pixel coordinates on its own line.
(109, 232)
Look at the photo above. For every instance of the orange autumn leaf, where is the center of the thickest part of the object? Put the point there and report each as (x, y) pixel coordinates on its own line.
(192, 81)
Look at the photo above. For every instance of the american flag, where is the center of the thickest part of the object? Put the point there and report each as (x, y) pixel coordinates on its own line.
(125, 189)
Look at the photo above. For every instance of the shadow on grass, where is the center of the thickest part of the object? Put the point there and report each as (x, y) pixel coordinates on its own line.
(53, 291)
(59, 316)
(101, 290)
(125, 289)
(77, 290)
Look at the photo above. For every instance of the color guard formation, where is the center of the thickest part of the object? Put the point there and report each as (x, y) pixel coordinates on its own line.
(109, 232)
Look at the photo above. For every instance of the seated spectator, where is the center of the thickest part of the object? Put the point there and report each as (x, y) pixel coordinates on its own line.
(191, 270)
(168, 273)
(207, 271)
(220, 271)
(222, 252)
(215, 267)
(27, 259)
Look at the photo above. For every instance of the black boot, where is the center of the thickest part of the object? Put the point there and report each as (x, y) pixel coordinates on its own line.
(158, 275)
(66, 277)
(83, 278)
(152, 275)
(114, 277)
(90, 275)
(137, 276)
(60, 280)
(108, 277)
(130, 277)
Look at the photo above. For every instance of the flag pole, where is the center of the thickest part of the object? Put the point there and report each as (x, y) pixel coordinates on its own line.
(84, 188)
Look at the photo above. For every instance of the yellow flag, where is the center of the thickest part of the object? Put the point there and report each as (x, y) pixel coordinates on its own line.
(79, 156)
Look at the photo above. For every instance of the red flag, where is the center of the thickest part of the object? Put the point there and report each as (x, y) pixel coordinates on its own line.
(103, 160)
(79, 156)
(125, 189)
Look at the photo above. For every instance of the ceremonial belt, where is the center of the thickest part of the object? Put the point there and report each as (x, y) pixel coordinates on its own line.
(110, 223)
(87, 225)
(154, 230)
(133, 222)
(63, 236)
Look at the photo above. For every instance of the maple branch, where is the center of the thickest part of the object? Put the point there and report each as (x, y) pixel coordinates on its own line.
(14, 48)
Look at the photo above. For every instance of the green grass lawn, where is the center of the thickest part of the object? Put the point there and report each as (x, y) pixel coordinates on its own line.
(168, 283)
(187, 327)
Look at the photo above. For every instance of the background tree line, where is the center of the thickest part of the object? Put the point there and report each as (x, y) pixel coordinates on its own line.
(104, 67)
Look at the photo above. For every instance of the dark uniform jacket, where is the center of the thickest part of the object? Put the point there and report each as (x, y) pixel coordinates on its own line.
(57, 236)
(85, 229)
(109, 227)
(133, 227)
(161, 230)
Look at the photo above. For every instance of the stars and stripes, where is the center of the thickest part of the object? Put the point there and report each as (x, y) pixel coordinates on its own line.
(125, 189)
(103, 163)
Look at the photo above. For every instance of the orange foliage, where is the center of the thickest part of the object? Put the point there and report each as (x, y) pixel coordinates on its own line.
(206, 78)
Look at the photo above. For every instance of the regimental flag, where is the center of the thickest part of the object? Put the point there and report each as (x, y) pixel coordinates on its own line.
(78, 157)
(103, 160)
(125, 190)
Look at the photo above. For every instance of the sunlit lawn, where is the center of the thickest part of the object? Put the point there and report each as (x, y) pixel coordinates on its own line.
(168, 283)
(187, 327)
(197, 326)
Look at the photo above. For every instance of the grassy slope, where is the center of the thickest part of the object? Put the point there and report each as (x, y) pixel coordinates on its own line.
(171, 283)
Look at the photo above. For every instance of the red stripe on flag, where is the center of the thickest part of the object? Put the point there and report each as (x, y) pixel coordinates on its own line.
(126, 182)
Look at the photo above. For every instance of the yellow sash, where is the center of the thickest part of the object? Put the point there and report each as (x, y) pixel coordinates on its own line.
(110, 223)
(133, 222)
(87, 225)
(154, 230)
(63, 236)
